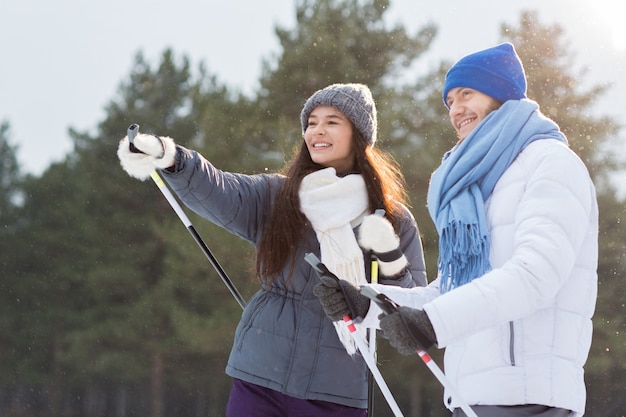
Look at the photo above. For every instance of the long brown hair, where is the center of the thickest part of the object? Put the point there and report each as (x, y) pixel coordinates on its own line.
(385, 186)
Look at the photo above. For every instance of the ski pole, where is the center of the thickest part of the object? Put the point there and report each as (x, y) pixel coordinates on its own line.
(388, 306)
(360, 341)
(372, 343)
(371, 333)
(133, 129)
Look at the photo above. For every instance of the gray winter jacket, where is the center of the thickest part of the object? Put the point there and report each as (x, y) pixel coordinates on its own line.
(283, 341)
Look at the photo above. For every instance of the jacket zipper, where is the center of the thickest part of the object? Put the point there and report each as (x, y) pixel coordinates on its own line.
(512, 343)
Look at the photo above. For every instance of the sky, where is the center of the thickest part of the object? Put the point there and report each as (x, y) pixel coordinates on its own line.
(62, 62)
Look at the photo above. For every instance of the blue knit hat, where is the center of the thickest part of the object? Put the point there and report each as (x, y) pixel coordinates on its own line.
(497, 72)
(353, 100)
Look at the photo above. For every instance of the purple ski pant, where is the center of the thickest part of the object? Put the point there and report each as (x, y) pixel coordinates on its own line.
(250, 400)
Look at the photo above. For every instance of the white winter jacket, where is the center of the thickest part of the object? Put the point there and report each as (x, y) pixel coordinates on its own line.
(521, 333)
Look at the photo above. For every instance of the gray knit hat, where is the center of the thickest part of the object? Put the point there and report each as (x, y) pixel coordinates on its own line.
(353, 100)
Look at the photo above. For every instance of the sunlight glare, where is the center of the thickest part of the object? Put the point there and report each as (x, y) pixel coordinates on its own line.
(610, 14)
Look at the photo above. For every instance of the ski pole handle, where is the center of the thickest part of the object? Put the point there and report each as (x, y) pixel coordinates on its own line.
(131, 133)
(386, 304)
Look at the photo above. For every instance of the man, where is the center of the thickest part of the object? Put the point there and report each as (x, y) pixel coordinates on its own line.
(517, 218)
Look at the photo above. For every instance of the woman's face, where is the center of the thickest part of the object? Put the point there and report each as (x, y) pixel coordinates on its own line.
(468, 107)
(328, 137)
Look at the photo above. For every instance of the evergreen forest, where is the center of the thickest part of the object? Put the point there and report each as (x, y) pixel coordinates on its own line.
(108, 308)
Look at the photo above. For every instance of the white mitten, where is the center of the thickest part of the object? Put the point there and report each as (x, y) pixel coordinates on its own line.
(377, 234)
(150, 152)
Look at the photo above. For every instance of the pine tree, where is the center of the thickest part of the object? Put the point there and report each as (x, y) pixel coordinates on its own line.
(106, 295)
(334, 41)
(10, 194)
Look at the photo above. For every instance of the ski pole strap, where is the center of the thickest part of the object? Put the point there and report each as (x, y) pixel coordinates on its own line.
(132, 132)
(390, 256)
(386, 304)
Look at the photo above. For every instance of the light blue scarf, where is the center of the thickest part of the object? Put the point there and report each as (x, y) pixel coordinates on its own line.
(465, 179)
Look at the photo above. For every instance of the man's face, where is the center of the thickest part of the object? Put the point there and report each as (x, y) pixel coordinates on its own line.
(468, 107)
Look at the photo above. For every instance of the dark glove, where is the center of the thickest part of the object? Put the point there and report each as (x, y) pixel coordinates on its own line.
(408, 330)
(340, 298)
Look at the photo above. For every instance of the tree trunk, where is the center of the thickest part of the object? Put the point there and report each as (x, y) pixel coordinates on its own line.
(121, 401)
(55, 388)
(416, 396)
(156, 385)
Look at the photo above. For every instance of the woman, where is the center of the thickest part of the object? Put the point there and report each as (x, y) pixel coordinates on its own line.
(288, 358)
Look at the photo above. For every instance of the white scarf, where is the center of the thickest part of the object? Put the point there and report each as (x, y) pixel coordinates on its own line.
(334, 205)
